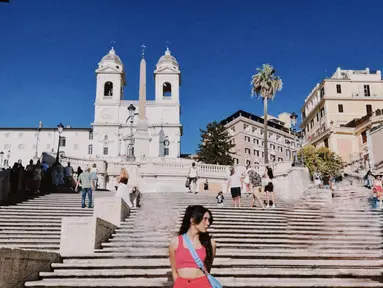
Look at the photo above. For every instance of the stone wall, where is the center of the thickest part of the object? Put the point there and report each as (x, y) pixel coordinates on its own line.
(18, 266)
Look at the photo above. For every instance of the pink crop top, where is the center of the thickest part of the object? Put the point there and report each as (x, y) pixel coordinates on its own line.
(184, 258)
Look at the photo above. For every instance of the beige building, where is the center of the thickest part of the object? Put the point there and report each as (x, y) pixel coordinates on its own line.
(246, 131)
(340, 112)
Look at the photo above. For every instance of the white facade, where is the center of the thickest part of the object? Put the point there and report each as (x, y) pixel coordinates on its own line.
(112, 128)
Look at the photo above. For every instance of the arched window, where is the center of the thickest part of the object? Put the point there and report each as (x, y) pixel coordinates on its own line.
(167, 89)
(166, 147)
(62, 141)
(108, 89)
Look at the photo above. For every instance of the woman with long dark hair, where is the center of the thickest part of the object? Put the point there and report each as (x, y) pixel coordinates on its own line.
(185, 271)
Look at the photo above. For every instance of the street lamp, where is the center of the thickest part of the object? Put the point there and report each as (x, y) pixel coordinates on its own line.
(1, 159)
(37, 140)
(60, 129)
(131, 110)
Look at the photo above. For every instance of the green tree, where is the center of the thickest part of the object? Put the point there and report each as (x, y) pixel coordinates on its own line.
(215, 145)
(265, 84)
(322, 160)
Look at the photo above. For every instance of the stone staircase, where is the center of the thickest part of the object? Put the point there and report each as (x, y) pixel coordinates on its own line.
(317, 242)
(36, 224)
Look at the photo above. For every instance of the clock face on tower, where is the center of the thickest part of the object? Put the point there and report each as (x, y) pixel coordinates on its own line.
(106, 113)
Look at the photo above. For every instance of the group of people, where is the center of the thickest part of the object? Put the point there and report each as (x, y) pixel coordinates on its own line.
(32, 179)
(252, 183)
(374, 182)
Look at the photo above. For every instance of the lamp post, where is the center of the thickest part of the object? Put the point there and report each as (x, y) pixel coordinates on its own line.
(293, 119)
(37, 140)
(131, 110)
(60, 129)
(1, 159)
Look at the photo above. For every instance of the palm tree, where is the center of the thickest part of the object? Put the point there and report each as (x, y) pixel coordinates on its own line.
(265, 84)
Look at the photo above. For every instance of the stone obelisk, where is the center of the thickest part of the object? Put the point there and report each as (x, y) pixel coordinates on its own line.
(141, 144)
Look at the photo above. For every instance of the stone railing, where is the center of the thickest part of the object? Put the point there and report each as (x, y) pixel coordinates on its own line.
(166, 173)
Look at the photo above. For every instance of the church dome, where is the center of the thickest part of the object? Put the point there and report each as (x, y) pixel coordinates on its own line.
(167, 59)
(111, 56)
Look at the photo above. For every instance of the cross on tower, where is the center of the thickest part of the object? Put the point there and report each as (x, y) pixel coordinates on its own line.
(167, 44)
(112, 42)
(143, 50)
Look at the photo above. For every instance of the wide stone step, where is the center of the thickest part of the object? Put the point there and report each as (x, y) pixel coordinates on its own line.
(287, 253)
(32, 246)
(219, 262)
(41, 236)
(254, 272)
(225, 281)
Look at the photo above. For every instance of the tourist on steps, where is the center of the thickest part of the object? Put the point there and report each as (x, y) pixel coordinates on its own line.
(269, 189)
(193, 177)
(185, 271)
(93, 172)
(234, 184)
(120, 179)
(86, 187)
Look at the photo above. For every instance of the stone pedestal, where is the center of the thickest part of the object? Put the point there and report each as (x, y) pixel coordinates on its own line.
(81, 235)
(111, 209)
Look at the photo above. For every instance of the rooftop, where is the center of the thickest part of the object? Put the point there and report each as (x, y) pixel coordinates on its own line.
(275, 123)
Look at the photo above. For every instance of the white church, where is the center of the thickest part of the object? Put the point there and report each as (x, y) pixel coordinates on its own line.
(122, 130)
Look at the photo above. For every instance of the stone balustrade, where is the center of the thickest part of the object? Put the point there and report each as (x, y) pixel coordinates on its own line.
(156, 174)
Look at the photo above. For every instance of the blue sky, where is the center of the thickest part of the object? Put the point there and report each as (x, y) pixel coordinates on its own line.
(49, 50)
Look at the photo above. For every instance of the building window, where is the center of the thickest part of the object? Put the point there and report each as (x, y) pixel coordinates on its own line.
(338, 88)
(318, 117)
(166, 147)
(312, 123)
(303, 115)
(245, 126)
(5, 163)
(232, 128)
(288, 153)
(369, 109)
(247, 138)
(322, 92)
(106, 150)
(248, 162)
(247, 151)
(90, 135)
(280, 149)
(255, 141)
(235, 161)
(253, 129)
(326, 142)
(167, 89)
(364, 137)
(256, 152)
(322, 112)
(108, 89)
(308, 128)
(340, 108)
(280, 159)
(272, 146)
(62, 141)
(272, 157)
(263, 154)
(367, 90)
